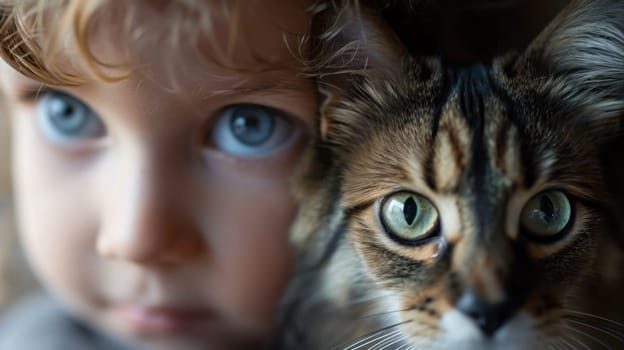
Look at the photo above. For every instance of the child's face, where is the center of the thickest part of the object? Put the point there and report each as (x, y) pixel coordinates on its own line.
(162, 218)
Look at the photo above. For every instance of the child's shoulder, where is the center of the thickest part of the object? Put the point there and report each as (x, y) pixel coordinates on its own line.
(39, 323)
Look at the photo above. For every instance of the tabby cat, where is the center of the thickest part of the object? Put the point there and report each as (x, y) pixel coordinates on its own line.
(459, 207)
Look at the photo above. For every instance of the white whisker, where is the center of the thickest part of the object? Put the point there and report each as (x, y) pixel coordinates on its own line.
(369, 339)
(579, 342)
(589, 336)
(565, 343)
(607, 332)
(392, 340)
(586, 314)
(402, 347)
(380, 340)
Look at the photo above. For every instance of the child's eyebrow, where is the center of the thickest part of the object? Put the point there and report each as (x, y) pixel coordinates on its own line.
(20, 87)
(264, 87)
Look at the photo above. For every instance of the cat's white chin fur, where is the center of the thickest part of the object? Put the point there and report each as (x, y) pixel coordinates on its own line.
(459, 332)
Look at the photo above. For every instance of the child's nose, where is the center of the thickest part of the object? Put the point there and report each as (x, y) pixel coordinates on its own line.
(143, 224)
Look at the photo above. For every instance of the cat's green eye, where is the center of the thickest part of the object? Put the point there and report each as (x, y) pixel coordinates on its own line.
(409, 217)
(546, 215)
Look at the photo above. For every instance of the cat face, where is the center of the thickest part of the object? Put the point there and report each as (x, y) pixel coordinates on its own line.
(479, 211)
(466, 203)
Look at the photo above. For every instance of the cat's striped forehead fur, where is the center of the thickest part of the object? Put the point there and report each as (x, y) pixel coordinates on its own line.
(479, 143)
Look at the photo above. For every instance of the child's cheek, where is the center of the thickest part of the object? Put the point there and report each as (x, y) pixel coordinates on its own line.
(252, 212)
(56, 213)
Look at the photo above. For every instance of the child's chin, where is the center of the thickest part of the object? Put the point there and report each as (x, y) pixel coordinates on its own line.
(174, 334)
(208, 341)
(189, 343)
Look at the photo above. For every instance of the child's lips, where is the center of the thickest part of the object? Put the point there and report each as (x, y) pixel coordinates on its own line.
(164, 319)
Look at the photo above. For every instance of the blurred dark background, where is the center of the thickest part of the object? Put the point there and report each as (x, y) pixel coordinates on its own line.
(469, 31)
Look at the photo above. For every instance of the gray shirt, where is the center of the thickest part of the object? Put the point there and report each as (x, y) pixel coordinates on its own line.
(39, 323)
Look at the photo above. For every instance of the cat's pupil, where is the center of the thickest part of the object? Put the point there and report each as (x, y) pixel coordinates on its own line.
(547, 209)
(410, 209)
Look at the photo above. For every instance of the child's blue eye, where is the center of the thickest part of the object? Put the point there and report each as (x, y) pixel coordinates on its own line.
(251, 131)
(65, 119)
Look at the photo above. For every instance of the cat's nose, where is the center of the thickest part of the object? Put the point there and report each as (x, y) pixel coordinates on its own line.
(488, 316)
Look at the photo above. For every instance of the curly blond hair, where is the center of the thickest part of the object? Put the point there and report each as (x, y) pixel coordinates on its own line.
(36, 35)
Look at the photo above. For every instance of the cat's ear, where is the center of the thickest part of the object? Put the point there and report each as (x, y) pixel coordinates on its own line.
(580, 58)
(348, 38)
(350, 44)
